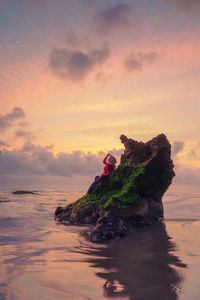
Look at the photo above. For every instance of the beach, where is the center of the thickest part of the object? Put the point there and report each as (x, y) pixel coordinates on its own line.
(42, 259)
(99, 99)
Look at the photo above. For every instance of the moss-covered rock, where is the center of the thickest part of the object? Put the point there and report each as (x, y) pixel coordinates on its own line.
(130, 195)
(120, 187)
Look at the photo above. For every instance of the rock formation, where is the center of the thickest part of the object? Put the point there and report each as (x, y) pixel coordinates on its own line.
(130, 197)
(23, 192)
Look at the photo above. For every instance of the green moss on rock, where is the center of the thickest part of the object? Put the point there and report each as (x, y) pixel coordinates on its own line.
(119, 187)
(126, 185)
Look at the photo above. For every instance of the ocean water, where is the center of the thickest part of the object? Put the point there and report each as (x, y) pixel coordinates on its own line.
(41, 259)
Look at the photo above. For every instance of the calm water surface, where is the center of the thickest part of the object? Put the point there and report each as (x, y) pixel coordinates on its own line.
(40, 259)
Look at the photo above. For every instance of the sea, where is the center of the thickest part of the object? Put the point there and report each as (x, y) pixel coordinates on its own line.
(41, 259)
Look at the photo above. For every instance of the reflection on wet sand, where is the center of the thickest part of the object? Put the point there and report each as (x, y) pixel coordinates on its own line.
(142, 266)
(3, 287)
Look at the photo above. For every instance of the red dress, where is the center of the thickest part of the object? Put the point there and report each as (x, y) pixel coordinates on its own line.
(108, 168)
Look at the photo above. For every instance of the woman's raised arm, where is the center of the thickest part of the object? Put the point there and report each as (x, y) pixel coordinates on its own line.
(104, 160)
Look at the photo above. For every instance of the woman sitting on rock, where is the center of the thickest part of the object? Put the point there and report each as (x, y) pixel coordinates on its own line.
(110, 164)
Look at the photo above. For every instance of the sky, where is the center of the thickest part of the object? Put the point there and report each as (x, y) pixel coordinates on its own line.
(75, 75)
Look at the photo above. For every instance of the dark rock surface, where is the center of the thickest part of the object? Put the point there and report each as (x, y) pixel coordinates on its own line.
(22, 192)
(130, 197)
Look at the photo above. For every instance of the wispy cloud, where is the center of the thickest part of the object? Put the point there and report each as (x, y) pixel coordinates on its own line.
(8, 120)
(75, 40)
(114, 18)
(136, 61)
(16, 126)
(26, 134)
(177, 147)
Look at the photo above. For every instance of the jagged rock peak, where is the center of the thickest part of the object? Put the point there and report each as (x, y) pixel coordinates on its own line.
(137, 153)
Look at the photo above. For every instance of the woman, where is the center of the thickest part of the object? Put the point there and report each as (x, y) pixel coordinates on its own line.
(110, 164)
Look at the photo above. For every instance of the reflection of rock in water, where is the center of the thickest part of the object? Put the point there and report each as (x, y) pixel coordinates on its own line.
(140, 267)
(3, 288)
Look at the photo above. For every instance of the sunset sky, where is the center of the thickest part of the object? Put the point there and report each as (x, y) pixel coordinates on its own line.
(77, 74)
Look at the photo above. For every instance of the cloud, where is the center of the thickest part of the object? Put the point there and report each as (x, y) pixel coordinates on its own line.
(117, 153)
(23, 124)
(186, 175)
(8, 120)
(193, 154)
(3, 143)
(177, 147)
(75, 64)
(114, 18)
(18, 127)
(27, 134)
(188, 5)
(81, 41)
(185, 6)
(34, 159)
(136, 61)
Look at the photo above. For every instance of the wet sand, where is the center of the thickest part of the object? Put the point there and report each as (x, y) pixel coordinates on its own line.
(41, 259)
